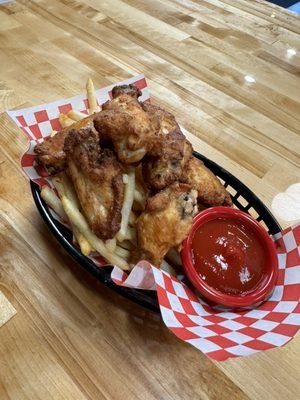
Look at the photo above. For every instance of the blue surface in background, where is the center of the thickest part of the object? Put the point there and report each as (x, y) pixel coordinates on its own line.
(295, 8)
(291, 5)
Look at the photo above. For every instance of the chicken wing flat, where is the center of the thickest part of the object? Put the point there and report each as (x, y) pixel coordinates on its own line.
(166, 221)
(50, 153)
(97, 178)
(166, 160)
(210, 190)
(124, 122)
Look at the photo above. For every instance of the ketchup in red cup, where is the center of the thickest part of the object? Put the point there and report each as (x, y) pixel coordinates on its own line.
(230, 258)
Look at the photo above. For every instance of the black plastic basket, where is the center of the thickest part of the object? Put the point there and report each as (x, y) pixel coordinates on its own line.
(243, 198)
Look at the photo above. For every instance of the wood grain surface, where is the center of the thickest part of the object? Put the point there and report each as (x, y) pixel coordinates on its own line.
(229, 70)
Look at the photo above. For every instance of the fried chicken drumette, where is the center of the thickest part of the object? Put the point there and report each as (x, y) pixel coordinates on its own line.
(124, 122)
(210, 190)
(97, 178)
(166, 221)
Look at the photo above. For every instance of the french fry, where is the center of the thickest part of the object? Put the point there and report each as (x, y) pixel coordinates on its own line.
(91, 95)
(53, 133)
(130, 234)
(69, 189)
(65, 188)
(127, 205)
(126, 244)
(65, 121)
(111, 244)
(79, 221)
(53, 201)
(76, 115)
(122, 252)
(84, 245)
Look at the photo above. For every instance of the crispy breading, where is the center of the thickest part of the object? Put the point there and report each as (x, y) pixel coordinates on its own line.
(121, 96)
(165, 162)
(97, 150)
(97, 178)
(166, 221)
(124, 122)
(210, 190)
(167, 122)
(50, 153)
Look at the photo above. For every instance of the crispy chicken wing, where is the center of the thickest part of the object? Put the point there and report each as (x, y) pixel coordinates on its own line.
(166, 160)
(50, 153)
(123, 96)
(167, 122)
(210, 190)
(97, 178)
(166, 221)
(124, 122)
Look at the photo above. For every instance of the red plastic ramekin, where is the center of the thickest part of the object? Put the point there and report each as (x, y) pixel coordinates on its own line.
(266, 285)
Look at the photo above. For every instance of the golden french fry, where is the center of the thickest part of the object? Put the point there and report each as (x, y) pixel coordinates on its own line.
(126, 244)
(130, 234)
(53, 201)
(119, 251)
(69, 189)
(53, 133)
(79, 221)
(91, 95)
(84, 245)
(64, 188)
(111, 244)
(76, 115)
(65, 121)
(70, 193)
(127, 205)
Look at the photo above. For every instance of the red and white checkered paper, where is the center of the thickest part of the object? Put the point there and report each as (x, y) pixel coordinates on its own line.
(219, 333)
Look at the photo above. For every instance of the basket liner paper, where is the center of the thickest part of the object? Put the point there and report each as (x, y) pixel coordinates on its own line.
(219, 333)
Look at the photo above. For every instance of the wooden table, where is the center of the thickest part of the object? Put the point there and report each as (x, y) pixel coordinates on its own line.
(229, 71)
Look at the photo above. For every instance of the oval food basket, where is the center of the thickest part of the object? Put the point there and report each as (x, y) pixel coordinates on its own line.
(242, 197)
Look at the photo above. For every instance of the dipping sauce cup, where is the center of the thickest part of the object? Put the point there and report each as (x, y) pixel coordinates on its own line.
(230, 258)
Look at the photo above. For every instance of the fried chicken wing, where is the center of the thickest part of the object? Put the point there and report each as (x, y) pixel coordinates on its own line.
(166, 160)
(97, 178)
(166, 221)
(124, 122)
(122, 97)
(50, 153)
(166, 121)
(210, 190)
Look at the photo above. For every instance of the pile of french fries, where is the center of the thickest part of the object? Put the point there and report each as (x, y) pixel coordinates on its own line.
(117, 250)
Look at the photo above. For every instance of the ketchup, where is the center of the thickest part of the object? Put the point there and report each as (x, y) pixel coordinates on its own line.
(228, 256)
